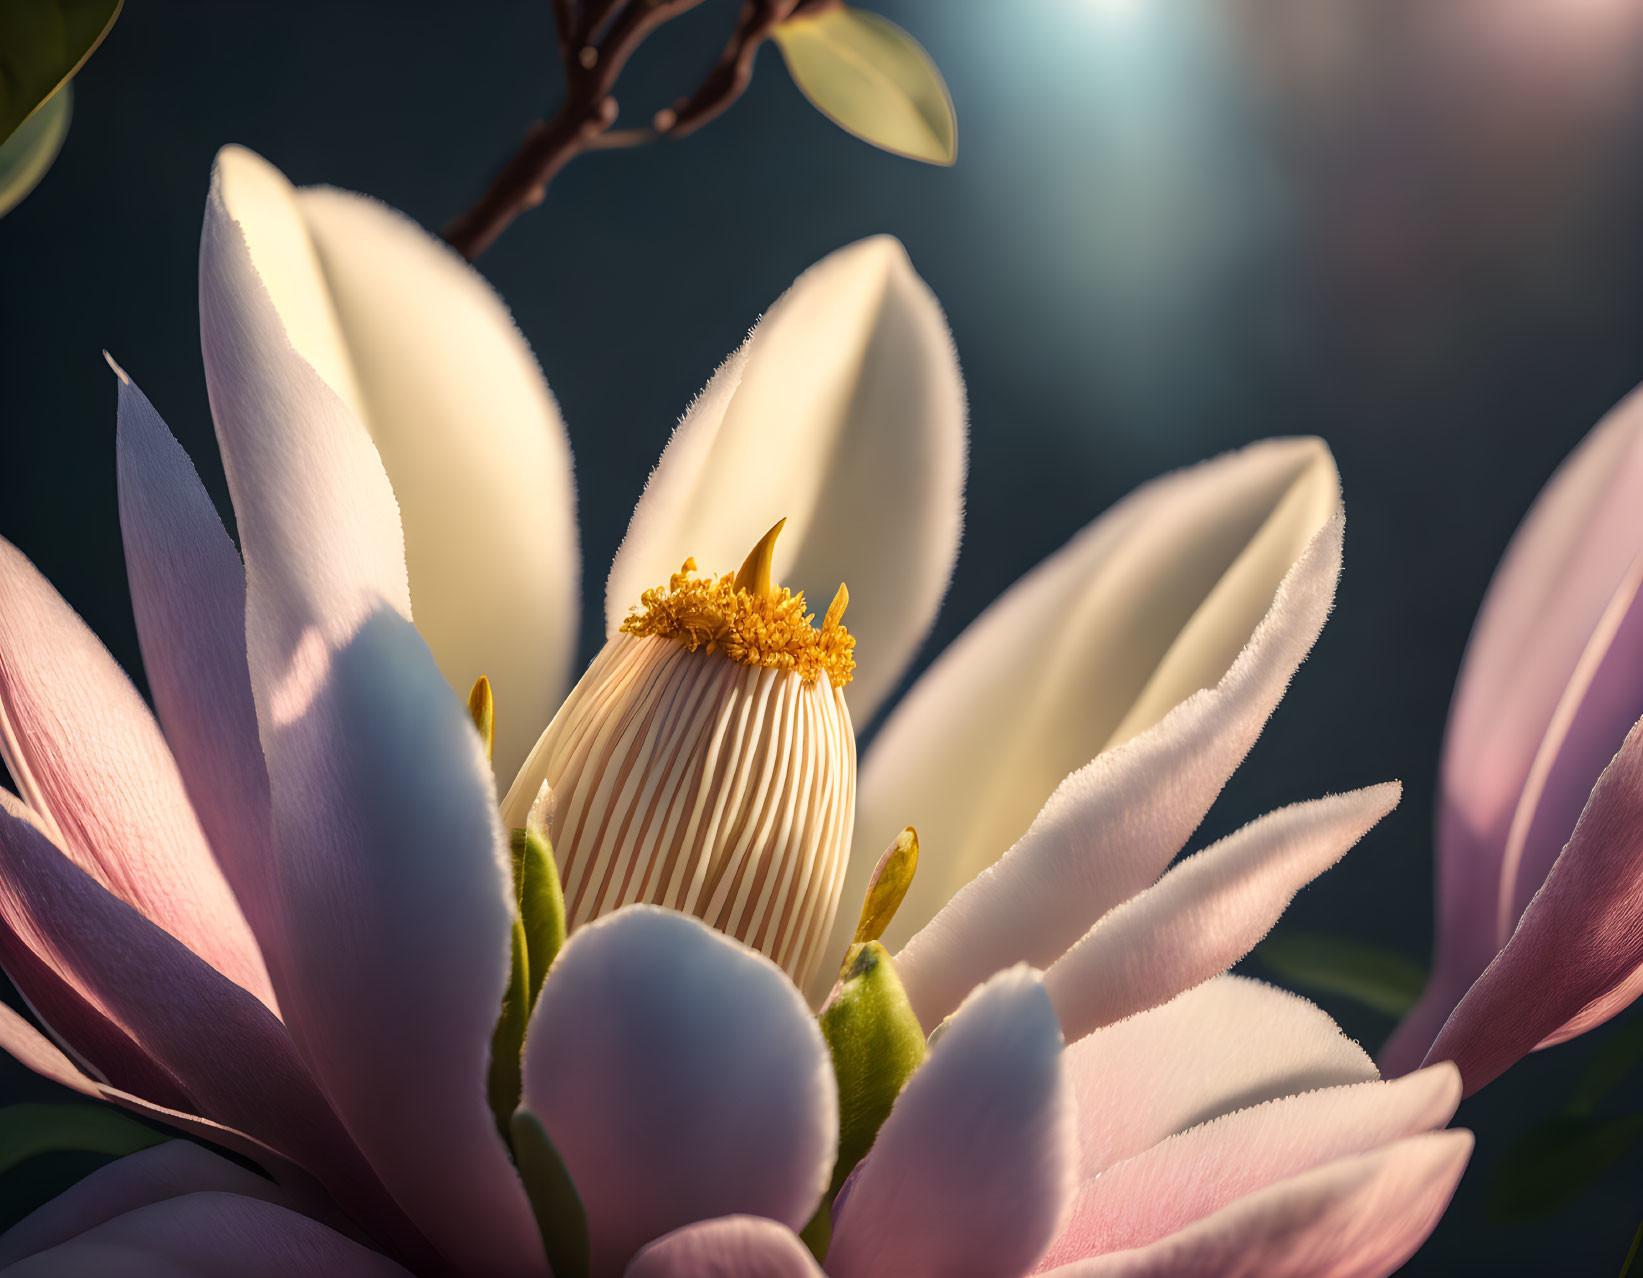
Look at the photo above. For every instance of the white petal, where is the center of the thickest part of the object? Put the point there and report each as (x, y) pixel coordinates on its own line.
(844, 413)
(1207, 912)
(1148, 605)
(1112, 826)
(427, 357)
(1229, 1043)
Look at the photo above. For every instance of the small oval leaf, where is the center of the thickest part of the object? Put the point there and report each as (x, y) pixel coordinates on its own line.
(42, 44)
(872, 79)
(27, 154)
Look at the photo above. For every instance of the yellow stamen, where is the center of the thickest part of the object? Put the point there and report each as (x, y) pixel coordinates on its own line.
(749, 619)
(483, 709)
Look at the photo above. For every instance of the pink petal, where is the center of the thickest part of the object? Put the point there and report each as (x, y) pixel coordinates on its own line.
(1547, 690)
(1356, 1217)
(1579, 945)
(972, 1171)
(210, 1235)
(88, 757)
(389, 852)
(188, 594)
(681, 1077)
(730, 1247)
(152, 1175)
(229, 1053)
(1207, 912)
(1112, 826)
(1228, 1044)
(1190, 1176)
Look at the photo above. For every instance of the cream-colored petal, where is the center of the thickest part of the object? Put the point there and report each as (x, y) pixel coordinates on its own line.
(1149, 604)
(843, 413)
(422, 350)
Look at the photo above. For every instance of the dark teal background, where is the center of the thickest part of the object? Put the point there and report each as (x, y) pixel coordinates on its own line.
(1409, 227)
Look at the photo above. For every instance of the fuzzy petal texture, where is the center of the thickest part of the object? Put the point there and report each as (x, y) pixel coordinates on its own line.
(1207, 912)
(1552, 680)
(1357, 1217)
(1576, 953)
(88, 757)
(1226, 1045)
(1147, 607)
(971, 1174)
(1112, 826)
(151, 1175)
(387, 843)
(731, 1247)
(426, 356)
(188, 595)
(210, 1235)
(681, 1077)
(843, 413)
(1190, 1176)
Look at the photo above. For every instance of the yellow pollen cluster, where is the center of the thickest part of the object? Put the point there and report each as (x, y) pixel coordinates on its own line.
(756, 628)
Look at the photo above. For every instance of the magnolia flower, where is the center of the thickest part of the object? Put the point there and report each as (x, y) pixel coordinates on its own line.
(294, 923)
(1540, 842)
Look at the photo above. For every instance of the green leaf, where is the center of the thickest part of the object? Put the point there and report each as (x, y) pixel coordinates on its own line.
(1551, 1163)
(42, 44)
(28, 153)
(1379, 978)
(560, 1216)
(872, 79)
(27, 1130)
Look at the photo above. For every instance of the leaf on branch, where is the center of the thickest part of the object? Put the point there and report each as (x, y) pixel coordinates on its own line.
(42, 44)
(872, 79)
(1383, 979)
(27, 1130)
(28, 153)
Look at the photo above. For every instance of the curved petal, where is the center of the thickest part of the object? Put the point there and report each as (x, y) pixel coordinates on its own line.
(1579, 946)
(1356, 1217)
(428, 359)
(730, 1247)
(1207, 912)
(1111, 827)
(390, 856)
(89, 758)
(1190, 1176)
(1148, 605)
(188, 595)
(1226, 1045)
(152, 1175)
(681, 1077)
(972, 1172)
(210, 1235)
(226, 1050)
(843, 413)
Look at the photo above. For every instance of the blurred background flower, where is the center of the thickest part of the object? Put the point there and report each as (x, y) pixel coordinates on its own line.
(1409, 228)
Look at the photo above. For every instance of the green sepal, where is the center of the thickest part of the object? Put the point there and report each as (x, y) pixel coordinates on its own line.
(557, 1206)
(508, 1039)
(31, 1129)
(876, 1043)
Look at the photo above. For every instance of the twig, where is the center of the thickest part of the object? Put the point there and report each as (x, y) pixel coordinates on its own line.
(594, 46)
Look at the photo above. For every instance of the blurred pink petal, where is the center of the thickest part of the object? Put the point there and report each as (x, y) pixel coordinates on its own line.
(1552, 680)
(387, 841)
(88, 757)
(188, 595)
(730, 1247)
(972, 1172)
(1188, 1177)
(1356, 1217)
(681, 1077)
(1112, 826)
(1226, 1045)
(210, 1235)
(1579, 946)
(152, 1175)
(1207, 912)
